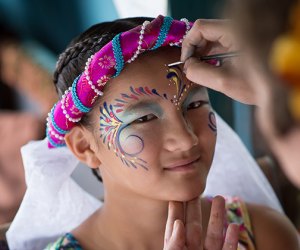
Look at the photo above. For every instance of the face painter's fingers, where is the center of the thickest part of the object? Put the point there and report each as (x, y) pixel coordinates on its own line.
(214, 235)
(177, 239)
(175, 212)
(231, 238)
(193, 225)
(205, 32)
(225, 79)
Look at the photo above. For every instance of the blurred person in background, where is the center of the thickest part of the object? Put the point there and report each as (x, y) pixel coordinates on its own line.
(267, 73)
(20, 78)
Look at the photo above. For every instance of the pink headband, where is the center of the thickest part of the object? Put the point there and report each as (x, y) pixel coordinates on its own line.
(107, 63)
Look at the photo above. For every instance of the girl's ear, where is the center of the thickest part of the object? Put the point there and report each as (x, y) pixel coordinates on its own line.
(79, 142)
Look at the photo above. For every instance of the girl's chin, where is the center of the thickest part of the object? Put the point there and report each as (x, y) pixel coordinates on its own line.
(187, 195)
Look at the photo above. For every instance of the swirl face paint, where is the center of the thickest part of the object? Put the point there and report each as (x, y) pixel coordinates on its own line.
(113, 129)
(212, 122)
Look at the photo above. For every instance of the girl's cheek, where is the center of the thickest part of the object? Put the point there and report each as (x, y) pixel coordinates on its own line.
(212, 124)
(131, 142)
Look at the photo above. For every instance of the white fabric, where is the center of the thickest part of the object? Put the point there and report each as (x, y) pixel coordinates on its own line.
(133, 8)
(234, 172)
(54, 204)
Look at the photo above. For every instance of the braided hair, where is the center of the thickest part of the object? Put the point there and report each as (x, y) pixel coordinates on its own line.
(72, 61)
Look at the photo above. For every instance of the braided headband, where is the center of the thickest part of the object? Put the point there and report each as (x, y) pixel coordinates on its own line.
(107, 63)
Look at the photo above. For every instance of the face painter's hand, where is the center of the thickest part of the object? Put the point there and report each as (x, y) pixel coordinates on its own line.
(189, 236)
(208, 37)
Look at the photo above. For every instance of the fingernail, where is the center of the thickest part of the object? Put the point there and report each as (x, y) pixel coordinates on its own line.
(176, 226)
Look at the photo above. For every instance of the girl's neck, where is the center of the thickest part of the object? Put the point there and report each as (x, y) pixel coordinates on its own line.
(136, 221)
(125, 222)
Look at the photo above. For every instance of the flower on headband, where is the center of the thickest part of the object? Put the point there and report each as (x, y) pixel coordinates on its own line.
(106, 62)
(102, 81)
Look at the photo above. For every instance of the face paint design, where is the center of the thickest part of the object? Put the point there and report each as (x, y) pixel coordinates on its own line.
(174, 75)
(135, 94)
(212, 122)
(111, 128)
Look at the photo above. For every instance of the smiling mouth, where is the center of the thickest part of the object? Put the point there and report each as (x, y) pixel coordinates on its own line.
(183, 166)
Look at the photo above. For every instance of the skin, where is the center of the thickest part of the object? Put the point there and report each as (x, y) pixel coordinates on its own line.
(142, 202)
(253, 86)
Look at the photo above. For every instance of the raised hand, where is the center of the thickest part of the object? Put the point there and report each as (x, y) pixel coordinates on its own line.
(184, 229)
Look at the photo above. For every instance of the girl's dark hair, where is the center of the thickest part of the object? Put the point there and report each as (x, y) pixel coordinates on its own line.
(72, 61)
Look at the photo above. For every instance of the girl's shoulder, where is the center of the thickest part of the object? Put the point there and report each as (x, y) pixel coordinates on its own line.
(260, 227)
(66, 242)
(272, 230)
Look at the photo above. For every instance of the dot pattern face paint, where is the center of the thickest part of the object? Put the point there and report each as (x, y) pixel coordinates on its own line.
(212, 122)
(111, 127)
(174, 75)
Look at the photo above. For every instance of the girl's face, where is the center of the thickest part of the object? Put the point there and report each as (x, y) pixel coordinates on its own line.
(156, 131)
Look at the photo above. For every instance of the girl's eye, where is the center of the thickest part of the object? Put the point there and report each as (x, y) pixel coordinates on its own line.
(145, 118)
(196, 104)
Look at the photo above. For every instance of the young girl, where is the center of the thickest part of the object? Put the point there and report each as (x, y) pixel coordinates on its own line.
(149, 134)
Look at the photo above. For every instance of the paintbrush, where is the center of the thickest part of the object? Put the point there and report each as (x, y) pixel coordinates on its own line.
(211, 57)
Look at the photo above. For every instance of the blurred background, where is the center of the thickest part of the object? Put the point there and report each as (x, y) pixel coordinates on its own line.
(32, 35)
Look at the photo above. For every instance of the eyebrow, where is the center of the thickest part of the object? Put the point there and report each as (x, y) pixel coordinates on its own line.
(144, 104)
(193, 90)
(154, 104)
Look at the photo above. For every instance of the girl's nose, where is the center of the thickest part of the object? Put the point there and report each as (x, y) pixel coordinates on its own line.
(179, 135)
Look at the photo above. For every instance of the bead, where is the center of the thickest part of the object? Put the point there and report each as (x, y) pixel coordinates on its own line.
(87, 76)
(51, 118)
(68, 117)
(187, 24)
(53, 143)
(140, 42)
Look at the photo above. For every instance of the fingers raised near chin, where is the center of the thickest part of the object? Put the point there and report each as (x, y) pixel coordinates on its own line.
(177, 239)
(193, 225)
(231, 238)
(175, 212)
(214, 235)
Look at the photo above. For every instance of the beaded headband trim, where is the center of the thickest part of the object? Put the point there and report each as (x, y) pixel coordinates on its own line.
(108, 63)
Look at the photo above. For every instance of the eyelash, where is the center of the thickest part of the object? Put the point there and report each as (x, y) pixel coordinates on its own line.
(150, 117)
(196, 104)
(145, 118)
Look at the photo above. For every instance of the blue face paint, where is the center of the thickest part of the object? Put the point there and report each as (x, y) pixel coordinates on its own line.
(138, 110)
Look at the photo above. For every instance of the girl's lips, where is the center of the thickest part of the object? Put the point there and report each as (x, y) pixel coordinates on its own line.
(183, 165)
